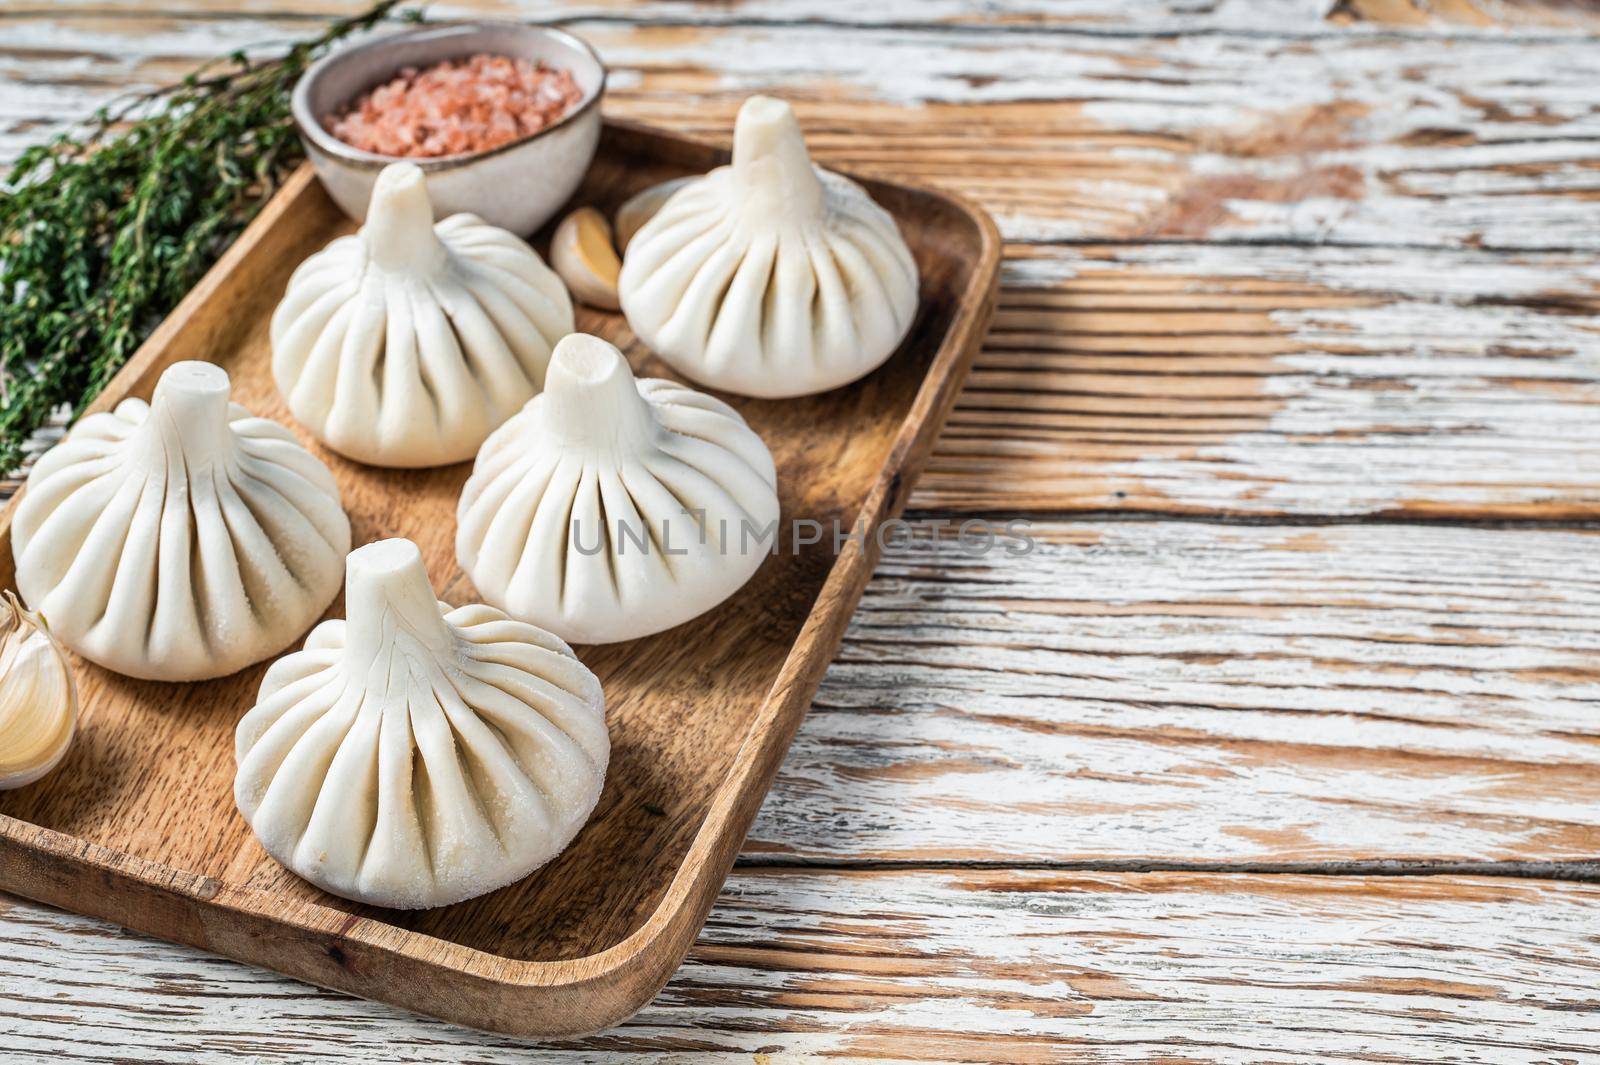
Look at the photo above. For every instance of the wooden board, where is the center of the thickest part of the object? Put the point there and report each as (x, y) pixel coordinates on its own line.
(1420, 345)
(1195, 693)
(1279, 129)
(1458, 116)
(1528, 20)
(1282, 381)
(963, 965)
(697, 726)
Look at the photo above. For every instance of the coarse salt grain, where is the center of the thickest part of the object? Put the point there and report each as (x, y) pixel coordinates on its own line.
(456, 107)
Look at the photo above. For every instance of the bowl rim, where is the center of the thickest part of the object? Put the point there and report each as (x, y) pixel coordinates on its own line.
(311, 128)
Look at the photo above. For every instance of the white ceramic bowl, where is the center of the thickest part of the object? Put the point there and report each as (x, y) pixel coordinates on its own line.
(516, 186)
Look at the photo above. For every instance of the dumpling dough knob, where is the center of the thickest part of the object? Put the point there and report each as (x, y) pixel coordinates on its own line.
(770, 163)
(387, 592)
(399, 226)
(590, 396)
(190, 407)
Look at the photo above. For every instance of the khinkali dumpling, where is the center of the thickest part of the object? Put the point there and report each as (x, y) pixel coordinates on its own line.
(406, 343)
(770, 277)
(416, 754)
(611, 508)
(179, 539)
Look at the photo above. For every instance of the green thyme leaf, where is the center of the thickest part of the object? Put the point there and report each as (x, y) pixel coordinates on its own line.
(104, 228)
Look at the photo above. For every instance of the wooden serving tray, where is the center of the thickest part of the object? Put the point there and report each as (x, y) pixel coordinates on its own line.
(138, 825)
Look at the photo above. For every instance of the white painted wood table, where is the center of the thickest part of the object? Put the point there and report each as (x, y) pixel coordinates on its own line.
(1284, 743)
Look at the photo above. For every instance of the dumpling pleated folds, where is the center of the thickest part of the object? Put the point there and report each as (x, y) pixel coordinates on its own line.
(611, 508)
(180, 539)
(406, 343)
(414, 754)
(770, 277)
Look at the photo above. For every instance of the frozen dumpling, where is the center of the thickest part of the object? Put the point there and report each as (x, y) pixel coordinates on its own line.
(416, 754)
(407, 343)
(182, 538)
(612, 508)
(770, 277)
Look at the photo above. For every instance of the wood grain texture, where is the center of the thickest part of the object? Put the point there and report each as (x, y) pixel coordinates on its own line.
(1241, 135)
(1523, 19)
(1177, 335)
(1271, 381)
(991, 966)
(1457, 16)
(1282, 381)
(697, 726)
(1196, 377)
(1182, 691)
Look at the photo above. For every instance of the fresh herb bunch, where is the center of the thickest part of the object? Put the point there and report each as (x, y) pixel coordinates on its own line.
(104, 229)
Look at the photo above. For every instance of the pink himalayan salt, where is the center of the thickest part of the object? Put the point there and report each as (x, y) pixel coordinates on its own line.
(457, 106)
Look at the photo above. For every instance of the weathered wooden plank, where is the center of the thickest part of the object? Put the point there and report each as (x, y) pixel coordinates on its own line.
(1456, 16)
(1302, 17)
(1350, 138)
(1131, 688)
(1184, 691)
(1190, 379)
(1270, 381)
(1282, 381)
(952, 966)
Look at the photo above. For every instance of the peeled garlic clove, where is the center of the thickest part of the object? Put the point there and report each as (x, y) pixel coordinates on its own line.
(643, 207)
(582, 255)
(38, 697)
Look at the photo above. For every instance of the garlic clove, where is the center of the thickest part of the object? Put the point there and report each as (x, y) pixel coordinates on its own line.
(38, 697)
(643, 206)
(582, 255)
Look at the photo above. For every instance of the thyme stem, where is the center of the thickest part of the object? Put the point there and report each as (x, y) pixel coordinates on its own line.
(104, 228)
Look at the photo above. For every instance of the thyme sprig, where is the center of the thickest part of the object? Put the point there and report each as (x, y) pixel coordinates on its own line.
(104, 228)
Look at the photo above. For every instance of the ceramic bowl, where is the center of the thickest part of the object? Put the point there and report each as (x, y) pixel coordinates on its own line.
(516, 186)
